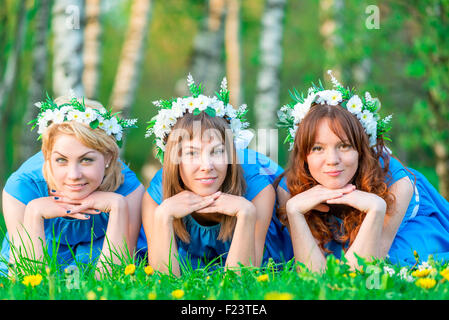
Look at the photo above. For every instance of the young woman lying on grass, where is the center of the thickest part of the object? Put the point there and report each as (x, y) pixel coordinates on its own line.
(207, 207)
(75, 192)
(343, 190)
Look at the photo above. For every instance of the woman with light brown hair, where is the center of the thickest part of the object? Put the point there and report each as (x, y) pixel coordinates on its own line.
(208, 208)
(344, 193)
(75, 198)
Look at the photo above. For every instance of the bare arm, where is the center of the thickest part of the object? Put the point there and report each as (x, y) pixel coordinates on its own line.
(134, 200)
(162, 247)
(264, 203)
(13, 212)
(403, 192)
(305, 246)
(158, 226)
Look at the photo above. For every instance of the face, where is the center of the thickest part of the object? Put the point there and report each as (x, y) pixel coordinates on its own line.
(332, 162)
(77, 170)
(203, 165)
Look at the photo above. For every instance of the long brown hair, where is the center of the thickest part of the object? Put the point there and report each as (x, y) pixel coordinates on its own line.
(234, 182)
(369, 177)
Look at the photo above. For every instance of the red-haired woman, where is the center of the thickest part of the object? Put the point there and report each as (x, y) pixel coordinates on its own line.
(344, 191)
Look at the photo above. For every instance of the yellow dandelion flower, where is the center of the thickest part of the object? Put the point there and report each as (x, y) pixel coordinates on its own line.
(33, 280)
(263, 278)
(130, 269)
(149, 270)
(445, 273)
(426, 283)
(178, 294)
(152, 296)
(352, 274)
(91, 295)
(274, 295)
(422, 273)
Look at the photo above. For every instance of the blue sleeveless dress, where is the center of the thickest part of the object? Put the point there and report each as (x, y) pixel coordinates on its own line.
(204, 248)
(425, 226)
(83, 237)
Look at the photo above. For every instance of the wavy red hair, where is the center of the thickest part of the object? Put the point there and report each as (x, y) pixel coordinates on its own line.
(369, 177)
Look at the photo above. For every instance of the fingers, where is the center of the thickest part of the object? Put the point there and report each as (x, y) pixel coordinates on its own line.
(60, 199)
(80, 216)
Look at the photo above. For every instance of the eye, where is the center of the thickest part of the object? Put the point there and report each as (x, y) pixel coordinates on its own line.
(218, 151)
(60, 160)
(345, 146)
(317, 148)
(87, 160)
(191, 153)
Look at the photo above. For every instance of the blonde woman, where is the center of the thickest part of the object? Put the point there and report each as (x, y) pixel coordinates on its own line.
(76, 192)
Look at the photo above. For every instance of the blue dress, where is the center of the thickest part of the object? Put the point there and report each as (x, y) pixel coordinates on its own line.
(63, 234)
(204, 247)
(425, 226)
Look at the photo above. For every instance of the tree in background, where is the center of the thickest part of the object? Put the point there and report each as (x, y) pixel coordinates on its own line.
(266, 101)
(207, 56)
(68, 36)
(8, 80)
(36, 90)
(233, 52)
(430, 48)
(92, 49)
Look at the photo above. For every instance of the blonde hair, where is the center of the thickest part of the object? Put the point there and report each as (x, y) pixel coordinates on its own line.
(234, 182)
(96, 139)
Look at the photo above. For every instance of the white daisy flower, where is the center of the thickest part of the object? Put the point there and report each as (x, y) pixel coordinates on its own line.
(89, 115)
(299, 111)
(189, 102)
(178, 108)
(48, 115)
(74, 115)
(230, 111)
(389, 271)
(202, 102)
(58, 116)
(354, 105)
(219, 108)
(235, 125)
(334, 97)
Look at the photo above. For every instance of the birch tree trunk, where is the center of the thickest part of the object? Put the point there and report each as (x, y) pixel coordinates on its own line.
(92, 49)
(329, 10)
(68, 25)
(7, 82)
(39, 57)
(268, 80)
(125, 84)
(233, 52)
(208, 65)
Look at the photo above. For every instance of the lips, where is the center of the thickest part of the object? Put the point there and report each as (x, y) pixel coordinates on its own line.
(206, 180)
(334, 173)
(75, 187)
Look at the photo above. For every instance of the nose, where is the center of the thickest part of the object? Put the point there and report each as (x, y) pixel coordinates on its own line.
(332, 157)
(206, 162)
(74, 172)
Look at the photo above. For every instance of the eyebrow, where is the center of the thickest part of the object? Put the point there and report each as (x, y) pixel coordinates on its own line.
(78, 157)
(198, 148)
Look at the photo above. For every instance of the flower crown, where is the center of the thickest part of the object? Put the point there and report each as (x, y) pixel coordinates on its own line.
(170, 110)
(75, 110)
(365, 108)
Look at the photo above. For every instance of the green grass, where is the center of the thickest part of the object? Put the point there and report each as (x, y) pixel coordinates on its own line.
(338, 282)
